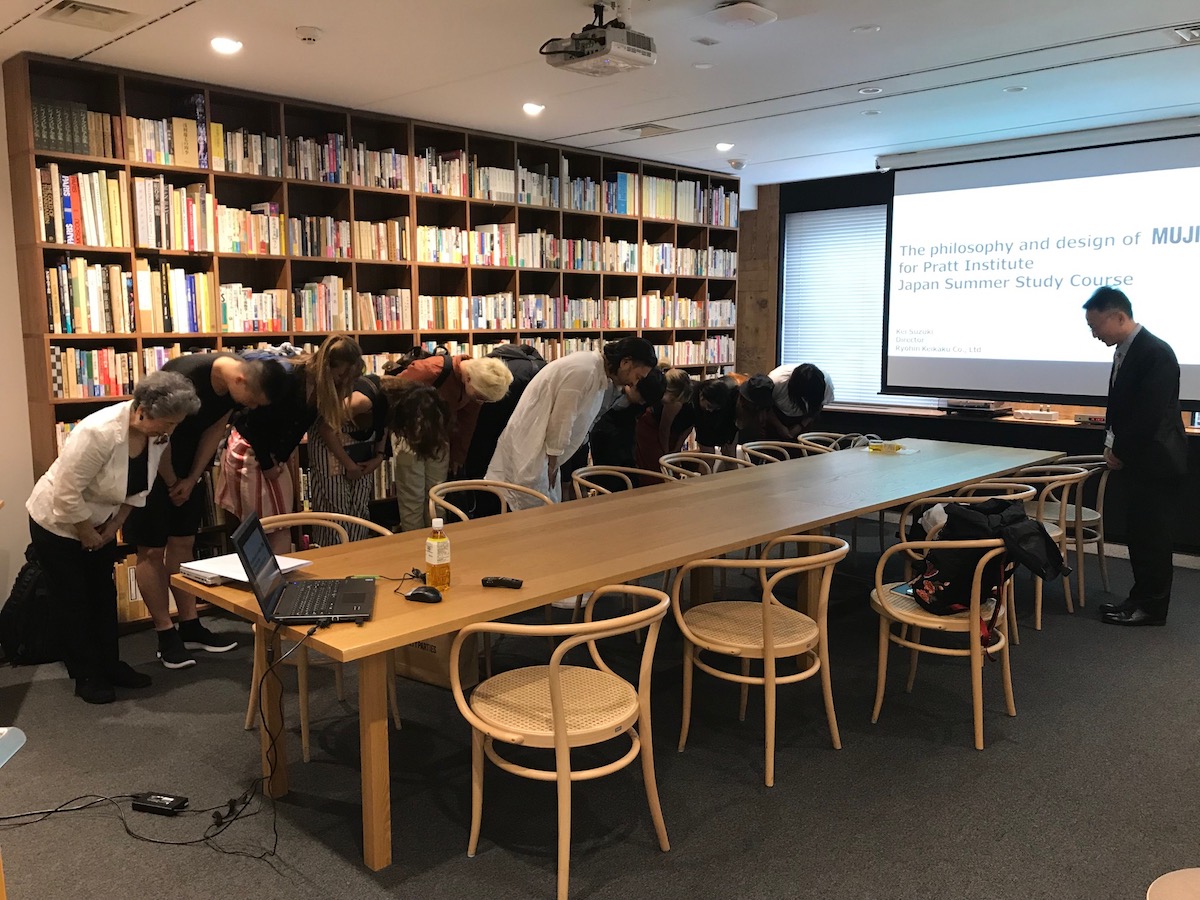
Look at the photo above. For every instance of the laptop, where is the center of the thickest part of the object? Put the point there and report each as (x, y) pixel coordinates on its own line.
(319, 600)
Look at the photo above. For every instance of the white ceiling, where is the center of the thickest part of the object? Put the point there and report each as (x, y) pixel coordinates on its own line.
(785, 94)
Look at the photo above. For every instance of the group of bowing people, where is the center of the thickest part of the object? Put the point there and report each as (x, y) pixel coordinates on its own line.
(134, 467)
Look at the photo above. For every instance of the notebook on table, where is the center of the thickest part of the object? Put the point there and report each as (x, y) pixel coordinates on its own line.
(311, 602)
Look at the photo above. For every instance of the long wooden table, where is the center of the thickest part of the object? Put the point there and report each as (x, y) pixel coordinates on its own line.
(568, 548)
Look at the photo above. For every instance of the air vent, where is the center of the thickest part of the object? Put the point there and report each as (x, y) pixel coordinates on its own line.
(88, 15)
(647, 130)
(1189, 33)
(706, 41)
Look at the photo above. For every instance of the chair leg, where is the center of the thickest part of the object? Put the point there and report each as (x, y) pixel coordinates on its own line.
(255, 676)
(688, 650)
(1010, 702)
(914, 655)
(1037, 603)
(744, 693)
(339, 683)
(769, 716)
(477, 762)
(302, 690)
(564, 826)
(885, 628)
(1103, 561)
(827, 692)
(1066, 583)
(651, 783)
(1079, 548)
(1010, 603)
(977, 692)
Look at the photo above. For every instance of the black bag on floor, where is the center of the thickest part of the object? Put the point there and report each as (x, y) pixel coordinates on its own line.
(28, 634)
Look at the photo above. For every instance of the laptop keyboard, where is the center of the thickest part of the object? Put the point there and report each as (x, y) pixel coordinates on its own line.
(316, 598)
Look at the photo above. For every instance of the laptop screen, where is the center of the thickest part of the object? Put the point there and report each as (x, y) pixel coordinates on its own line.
(262, 570)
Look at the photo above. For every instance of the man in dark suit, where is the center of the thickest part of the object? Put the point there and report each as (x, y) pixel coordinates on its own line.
(1146, 445)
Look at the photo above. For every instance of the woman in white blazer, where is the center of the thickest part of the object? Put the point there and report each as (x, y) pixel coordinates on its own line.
(106, 467)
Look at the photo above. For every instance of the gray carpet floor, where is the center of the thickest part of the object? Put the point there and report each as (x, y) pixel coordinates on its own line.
(1090, 792)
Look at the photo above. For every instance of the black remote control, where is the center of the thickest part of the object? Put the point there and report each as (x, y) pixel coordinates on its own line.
(500, 581)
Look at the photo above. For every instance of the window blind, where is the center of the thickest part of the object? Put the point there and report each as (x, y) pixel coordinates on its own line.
(832, 316)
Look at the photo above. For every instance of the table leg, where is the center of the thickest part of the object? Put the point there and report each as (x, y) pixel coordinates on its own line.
(271, 719)
(373, 739)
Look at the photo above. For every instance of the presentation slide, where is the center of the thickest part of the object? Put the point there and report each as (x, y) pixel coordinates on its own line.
(990, 263)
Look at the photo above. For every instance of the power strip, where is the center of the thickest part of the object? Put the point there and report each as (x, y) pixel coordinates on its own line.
(1036, 415)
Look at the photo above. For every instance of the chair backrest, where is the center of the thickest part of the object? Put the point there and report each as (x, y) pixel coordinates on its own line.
(335, 522)
(439, 492)
(771, 571)
(690, 463)
(1097, 467)
(1055, 484)
(778, 451)
(1019, 492)
(575, 633)
(586, 485)
(837, 441)
(1008, 490)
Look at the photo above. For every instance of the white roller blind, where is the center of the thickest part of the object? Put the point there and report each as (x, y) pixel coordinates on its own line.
(832, 315)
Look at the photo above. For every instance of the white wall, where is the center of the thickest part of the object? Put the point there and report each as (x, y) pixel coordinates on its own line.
(16, 464)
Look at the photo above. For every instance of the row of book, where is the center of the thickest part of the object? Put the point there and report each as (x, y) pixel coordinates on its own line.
(493, 183)
(379, 168)
(317, 159)
(86, 208)
(173, 141)
(66, 126)
(102, 372)
(321, 236)
(174, 218)
(89, 299)
(382, 240)
(708, 263)
(537, 186)
(254, 231)
(245, 152)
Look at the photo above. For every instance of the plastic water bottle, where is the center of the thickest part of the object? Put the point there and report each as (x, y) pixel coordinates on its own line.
(437, 558)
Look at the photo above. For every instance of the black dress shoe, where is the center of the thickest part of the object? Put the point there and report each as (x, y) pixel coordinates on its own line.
(1133, 617)
(94, 690)
(123, 675)
(1123, 606)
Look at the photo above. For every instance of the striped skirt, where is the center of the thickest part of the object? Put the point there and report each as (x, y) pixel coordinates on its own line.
(241, 487)
(331, 491)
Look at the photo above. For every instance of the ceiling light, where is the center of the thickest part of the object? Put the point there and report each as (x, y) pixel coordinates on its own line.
(702, 65)
(724, 147)
(533, 109)
(1015, 89)
(872, 112)
(864, 29)
(735, 14)
(870, 91)
(225, 45)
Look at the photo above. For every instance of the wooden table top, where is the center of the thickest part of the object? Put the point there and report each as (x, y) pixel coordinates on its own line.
(567, 548)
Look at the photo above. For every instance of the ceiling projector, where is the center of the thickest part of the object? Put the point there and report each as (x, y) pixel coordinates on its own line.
(601, 49)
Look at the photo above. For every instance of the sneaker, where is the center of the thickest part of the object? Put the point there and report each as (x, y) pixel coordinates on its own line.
(123, 675)
(196, 637)
(94, 690)
(172, 652)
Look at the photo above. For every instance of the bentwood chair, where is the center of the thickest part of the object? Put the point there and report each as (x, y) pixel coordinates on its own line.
(1088, 522)
(590, 481)
(439, 503)
(335, 523)
(1055, 484)
(778, 451)
(561, 707)
(763, 628)
(902, 609)
(694, 463)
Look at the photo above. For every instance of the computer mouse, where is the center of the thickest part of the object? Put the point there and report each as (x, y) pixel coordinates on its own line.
(424, 594)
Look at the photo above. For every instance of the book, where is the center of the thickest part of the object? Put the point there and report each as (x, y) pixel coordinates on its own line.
(219, 569)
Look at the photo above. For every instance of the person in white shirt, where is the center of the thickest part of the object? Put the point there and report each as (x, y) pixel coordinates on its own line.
(556, 410)
(801, 392)
(106, 468)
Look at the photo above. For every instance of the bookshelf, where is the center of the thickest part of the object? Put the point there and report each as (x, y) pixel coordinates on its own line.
(202, 217)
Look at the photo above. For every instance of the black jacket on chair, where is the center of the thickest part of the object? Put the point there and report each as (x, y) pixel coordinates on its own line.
(1143, 410)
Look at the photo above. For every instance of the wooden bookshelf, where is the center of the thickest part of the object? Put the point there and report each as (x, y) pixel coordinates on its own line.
(348, 202)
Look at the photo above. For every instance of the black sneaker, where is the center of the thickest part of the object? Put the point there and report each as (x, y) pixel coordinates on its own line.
(172, 652)
(94, 690)
(123, 675)
(196, 637)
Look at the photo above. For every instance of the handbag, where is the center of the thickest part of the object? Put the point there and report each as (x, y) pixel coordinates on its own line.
(360, 451)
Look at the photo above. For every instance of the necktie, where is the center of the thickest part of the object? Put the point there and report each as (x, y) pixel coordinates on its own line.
(1116, 367)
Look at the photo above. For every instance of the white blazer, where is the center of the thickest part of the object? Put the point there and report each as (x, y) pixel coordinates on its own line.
(552, 418)
(89, 478)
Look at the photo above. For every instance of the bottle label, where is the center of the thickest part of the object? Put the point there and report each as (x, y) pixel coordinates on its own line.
(437, 553)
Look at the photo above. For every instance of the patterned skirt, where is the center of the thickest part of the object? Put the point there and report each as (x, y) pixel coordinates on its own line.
(241, 487)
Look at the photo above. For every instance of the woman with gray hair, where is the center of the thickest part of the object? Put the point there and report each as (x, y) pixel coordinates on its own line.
(106, 468)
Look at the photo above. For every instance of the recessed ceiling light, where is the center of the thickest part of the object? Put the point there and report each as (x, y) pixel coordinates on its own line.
(533, 109)
(724, 147)
(702, 65)
(872, 112)
(225, 45)
(864, 29)
(870, 91)
(1015, 89)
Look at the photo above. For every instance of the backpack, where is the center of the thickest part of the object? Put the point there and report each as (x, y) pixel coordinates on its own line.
(28, 628)
(404, 361)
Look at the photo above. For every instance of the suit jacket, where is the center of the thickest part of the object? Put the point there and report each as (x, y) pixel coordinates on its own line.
(1143, 410)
